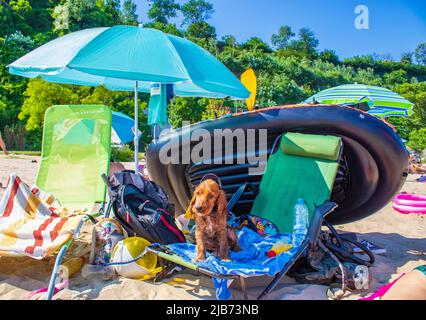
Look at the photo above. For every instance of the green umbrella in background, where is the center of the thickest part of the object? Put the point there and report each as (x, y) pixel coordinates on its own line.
(378, 101)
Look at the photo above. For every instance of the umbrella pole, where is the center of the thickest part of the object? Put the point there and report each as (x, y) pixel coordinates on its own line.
(136, 141)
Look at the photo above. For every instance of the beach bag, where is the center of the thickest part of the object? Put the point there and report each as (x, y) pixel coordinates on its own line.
(149, 188)
(141, 215)
(332, 261)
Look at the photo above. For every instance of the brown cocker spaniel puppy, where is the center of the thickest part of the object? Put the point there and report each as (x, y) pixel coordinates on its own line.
(209, 209)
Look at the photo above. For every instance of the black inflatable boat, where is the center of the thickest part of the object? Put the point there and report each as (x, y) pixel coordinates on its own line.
(373, 168)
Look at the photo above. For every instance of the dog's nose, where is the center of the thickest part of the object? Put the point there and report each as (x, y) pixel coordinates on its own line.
(199, 208)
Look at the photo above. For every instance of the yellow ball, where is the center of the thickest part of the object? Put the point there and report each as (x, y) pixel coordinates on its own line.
(129, 249)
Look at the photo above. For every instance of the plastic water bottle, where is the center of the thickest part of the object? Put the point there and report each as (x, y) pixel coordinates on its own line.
(97, 272)
(300, 226)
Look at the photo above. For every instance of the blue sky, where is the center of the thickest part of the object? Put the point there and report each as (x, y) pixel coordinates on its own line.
(395, 26)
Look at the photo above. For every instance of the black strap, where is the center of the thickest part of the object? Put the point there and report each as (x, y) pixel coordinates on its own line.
(345, 254)
(142, 206)
(237, 195)
(92, 219)
(213, 177)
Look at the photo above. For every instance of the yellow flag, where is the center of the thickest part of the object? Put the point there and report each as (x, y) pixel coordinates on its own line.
(249, 80)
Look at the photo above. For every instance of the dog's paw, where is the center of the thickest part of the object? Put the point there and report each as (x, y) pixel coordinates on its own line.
(225, 258)
(199, 259)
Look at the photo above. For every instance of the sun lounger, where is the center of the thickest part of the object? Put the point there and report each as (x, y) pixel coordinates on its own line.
(76, 151)
(304, 166)
(30, 224)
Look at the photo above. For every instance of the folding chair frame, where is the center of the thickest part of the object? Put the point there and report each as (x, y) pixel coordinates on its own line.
(312, 236)
(64, 249)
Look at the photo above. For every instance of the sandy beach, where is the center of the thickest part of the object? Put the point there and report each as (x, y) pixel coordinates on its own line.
(402, 235)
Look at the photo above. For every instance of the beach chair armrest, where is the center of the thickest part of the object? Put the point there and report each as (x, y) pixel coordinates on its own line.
(165, 253)
(318, 219)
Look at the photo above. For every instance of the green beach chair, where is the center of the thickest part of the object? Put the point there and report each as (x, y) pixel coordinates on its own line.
(304, 166)
(75, 153)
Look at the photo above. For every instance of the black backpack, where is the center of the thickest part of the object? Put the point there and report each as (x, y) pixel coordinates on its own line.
(140, 206)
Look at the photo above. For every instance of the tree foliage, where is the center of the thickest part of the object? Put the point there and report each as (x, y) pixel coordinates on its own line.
(282, 39)
(418, 140)
(420, 54)
(195, 11)
(162, 10)
(288, 72)
(201, 30)
(130, 16)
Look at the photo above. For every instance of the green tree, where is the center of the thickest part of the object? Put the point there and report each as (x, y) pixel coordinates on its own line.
(113, 11)
(195, 11)
(282, 39)
(329, 56)
(417, 140)
(201, 30)
(165, 27)
(75, 15)
(276, 89)
(416, 93)
(162, 10)
(216, 108)
(307, 43)
(257, 44)
(129, 15)
(39, 96)
(420, 54)
(12, 87)
(407, 58)
(79, 11)
(229, 41)
(395, 77)
(20, 6)
(186, 109)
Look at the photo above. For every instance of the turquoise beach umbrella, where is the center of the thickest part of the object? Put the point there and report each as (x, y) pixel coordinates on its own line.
(77, 131)
(122, 130)
(382, 102)
(127, 58)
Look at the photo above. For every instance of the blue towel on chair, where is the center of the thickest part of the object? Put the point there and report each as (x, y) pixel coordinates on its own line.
(250, 261)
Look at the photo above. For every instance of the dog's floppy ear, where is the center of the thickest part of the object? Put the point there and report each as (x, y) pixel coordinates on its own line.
(189, 214)
(222, 203)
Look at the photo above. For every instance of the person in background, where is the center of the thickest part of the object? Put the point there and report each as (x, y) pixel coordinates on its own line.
(408, 286)
(411, 286)
(3, 145)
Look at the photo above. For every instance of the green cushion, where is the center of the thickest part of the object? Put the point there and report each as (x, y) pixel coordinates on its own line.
(289, 177)
(311, 146)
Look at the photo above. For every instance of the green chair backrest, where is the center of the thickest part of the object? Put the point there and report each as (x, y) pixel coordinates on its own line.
(76, 151)
(305, 166)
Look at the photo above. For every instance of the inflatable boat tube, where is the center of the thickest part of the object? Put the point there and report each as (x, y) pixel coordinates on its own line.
(410, 203)
(373, 167)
